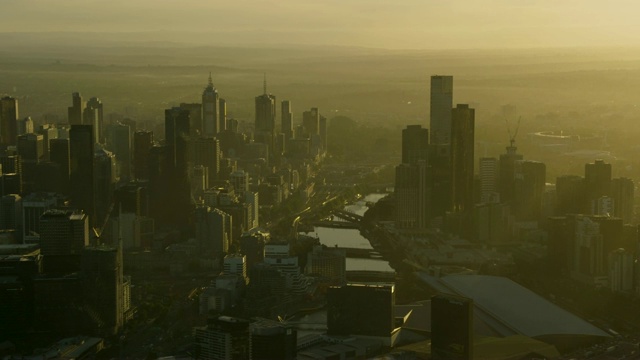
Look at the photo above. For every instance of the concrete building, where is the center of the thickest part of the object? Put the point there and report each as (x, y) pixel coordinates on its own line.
(225, 338)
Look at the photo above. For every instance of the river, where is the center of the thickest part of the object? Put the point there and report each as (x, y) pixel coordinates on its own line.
(351, 238)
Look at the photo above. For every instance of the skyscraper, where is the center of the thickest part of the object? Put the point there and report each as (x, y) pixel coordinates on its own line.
(415, 144)
(119, 142)
(142, 144)
(176, 169)
(440, 113)
(210, 111)
(60, 154)
(507, 178)
(597, 178)
(206, 152)
(195, 114)
(265, 112)
(286, 124)
(76, 110)
(81, 143)
(222, 115)
(311, 122)
(8, 118)
(462, 160)
(530, 186)
(489, 180)
(622, 191)
(94, 112)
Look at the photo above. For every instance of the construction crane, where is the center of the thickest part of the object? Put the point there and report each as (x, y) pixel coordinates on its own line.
(512, 137)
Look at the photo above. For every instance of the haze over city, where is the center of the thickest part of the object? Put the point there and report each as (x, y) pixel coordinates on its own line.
(330, 179)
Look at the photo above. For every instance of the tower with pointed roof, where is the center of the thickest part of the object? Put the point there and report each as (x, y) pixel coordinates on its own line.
(210, 111)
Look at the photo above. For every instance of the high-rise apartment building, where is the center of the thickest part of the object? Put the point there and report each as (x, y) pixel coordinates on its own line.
(462, 158)
(597, 179)
(8, 121)
(440, 113)
(142, 144)
(63, 236)
(488, 169)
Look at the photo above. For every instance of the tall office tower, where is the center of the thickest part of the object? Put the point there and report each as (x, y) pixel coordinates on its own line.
(206, 152)
(119, 142)
(271, 340)
(452, 327)
(8, 118)
(76, 110)
(195, 116)
(81, 143)
(11, 212)
(311, 122)
(587, 255)
(104, 183)
(530, 187)
(94, 115)
(489, 180)
(213, 230)
(286, 124)
(142, 144)
(102, 269)
(63, 236)
(571, 194)
(415, 144)
(462, 160)
(507, 178)
(440, 113)
(177, 170)
(210, 111)
(265, 112)
(622, 191)
(412, 184)
(31, 151)
(25, 126)
(59, 153)
(224, 338)
(597, 178)
(222, 115)
(346, 315)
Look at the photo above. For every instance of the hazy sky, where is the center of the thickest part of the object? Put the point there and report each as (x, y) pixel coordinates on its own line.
(371, 23)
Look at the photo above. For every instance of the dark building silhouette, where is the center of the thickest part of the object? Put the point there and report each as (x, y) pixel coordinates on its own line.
(224, 338)
(451, 328)
(206, 152)
(415, 144)
(76, 110)
(347, 316)
(271, 340)
(142, 144)
(311, 122)
(8, 121)
(507, 177)
(597, 179)
(119, 143)
(104, 182)
(623, 193)
(462, 160)
(94, 115)
(195, 116)
(210, 110)
(81, 148)
(571, 194)
(102, 288)
(440, 113)
(530, 187)
(63, 236)
(31, 151)
(286, 125)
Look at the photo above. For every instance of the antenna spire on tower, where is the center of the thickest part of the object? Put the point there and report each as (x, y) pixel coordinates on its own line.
(210, 80)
